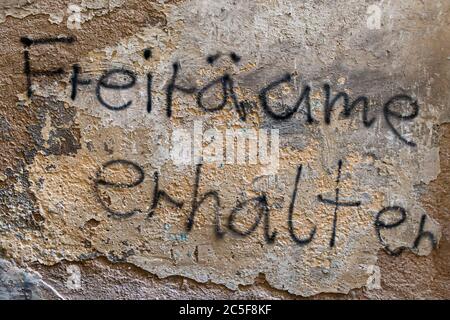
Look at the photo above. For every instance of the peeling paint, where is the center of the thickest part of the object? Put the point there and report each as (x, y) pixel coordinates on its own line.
(66, 215)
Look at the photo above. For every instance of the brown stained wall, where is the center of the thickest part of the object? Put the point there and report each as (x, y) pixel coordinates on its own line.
(408, 55)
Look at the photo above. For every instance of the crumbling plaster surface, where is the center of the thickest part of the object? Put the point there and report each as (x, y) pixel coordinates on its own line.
(53, 148)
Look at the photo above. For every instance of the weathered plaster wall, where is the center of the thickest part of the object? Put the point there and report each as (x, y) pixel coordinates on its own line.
(74, 226)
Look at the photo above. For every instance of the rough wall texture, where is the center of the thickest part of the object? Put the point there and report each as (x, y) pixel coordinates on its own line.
(95, 201)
